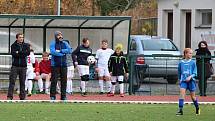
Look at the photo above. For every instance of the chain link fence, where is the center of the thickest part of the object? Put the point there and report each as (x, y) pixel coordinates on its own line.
(141, 81)
(144, 80)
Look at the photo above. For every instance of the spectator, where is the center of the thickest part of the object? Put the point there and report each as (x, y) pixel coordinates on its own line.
(118, 67)
(80, 56)
(102, 55)
(203, 51)
(45, 72)
(19, 51)
(59, 49)
(70, 72)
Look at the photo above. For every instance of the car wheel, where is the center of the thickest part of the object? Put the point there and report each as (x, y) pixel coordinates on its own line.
(172, 80)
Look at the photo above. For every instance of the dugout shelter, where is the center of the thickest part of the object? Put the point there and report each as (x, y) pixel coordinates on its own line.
(39, 30)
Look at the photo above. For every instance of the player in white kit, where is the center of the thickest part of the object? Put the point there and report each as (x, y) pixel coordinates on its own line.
(30, 72)
(102, 55)
(70, 72)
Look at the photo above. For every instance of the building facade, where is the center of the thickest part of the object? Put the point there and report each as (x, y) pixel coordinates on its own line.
(187, 22)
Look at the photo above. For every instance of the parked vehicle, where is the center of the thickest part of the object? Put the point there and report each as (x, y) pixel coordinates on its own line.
(154, 57)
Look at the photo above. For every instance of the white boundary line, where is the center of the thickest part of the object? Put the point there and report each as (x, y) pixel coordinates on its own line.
(94, 101)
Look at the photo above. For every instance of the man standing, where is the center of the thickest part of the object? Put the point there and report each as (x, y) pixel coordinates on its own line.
(58, 50)
(19, 51)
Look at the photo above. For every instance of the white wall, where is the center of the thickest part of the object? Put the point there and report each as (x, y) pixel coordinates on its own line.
(179, 8)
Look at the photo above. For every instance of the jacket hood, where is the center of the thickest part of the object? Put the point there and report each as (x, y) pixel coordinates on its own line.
(56, 33)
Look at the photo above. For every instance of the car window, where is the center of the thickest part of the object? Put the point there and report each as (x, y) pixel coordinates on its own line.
(156, 44)
(133, 45)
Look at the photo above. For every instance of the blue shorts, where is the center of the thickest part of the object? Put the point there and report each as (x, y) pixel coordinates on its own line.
(191, 85)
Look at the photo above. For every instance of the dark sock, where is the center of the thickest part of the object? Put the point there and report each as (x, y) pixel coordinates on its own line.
(196, 103)
(181, 104)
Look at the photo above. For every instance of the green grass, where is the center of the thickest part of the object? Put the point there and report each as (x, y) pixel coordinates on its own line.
(101, 112)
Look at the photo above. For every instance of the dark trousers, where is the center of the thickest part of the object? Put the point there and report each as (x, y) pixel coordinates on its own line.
(57, 72)
(21, 71)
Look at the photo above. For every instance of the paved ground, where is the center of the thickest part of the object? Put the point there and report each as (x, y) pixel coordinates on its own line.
(94, 97)
(148, 92)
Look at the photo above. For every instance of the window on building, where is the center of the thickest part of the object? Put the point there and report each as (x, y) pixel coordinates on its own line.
(204, 18)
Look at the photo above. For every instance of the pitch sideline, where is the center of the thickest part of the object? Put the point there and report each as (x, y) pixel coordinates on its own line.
(93, 101)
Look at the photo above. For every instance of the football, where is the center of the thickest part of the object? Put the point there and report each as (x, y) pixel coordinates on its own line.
(91, 59)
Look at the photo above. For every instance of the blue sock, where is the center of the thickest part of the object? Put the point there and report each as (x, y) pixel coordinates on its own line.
(181, 104)
(196, 103)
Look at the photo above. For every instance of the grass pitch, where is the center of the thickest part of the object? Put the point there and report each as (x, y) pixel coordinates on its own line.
(101, 112)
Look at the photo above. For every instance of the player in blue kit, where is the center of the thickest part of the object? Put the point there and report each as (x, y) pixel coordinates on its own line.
(187, 71)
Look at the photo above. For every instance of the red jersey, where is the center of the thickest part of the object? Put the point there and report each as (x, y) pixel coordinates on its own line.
(45, 66)
(36, 66)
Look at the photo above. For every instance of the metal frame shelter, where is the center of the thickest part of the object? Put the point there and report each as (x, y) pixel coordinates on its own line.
(40, 28)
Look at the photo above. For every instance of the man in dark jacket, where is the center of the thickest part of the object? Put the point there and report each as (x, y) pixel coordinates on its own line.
(19, 51)
(58, 50)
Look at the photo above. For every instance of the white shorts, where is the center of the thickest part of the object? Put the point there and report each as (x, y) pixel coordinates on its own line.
(43, 75)
(30, 73)
(83, 70)
(34, 75)
(70, 72)
(117, 78)
(103, 71)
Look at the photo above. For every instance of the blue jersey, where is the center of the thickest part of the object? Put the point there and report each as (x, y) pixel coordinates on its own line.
(187, 68)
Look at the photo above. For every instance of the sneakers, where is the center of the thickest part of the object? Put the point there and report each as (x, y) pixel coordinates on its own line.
(197, 111)
(101, 93)
(69, 93)
(122, 95)
(29, 94)
(84, 94)
(47, 92)
(41, 92)
(9, 98)
(109, 94)
(180, 112)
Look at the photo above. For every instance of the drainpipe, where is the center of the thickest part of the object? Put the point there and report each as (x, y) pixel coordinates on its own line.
(58, 7)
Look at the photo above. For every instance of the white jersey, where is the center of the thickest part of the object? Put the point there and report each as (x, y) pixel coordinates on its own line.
(31, 60)
(103, 56)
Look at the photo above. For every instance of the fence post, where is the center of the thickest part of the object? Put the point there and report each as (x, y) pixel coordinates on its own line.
(202, 75)
(131, 76)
